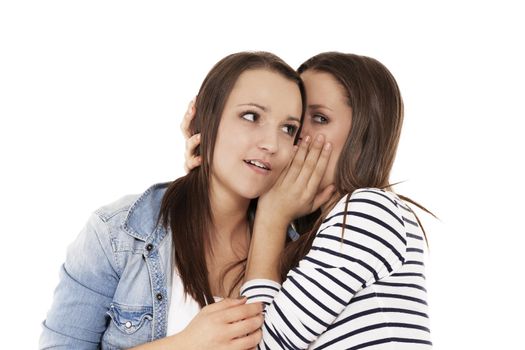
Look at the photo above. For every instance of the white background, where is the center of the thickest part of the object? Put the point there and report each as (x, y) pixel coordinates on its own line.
(92, 94)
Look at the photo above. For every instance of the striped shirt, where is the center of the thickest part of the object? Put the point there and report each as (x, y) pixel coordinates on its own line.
(361, 285)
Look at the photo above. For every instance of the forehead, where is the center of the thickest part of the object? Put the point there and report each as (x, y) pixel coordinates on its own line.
(323, 88)
(263, 86)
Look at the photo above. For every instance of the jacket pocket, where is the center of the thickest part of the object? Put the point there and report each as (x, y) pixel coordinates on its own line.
(130, 319)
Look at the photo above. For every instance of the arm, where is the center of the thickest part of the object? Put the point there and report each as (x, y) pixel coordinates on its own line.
(294, 194)
(88, 279)
(335, 269)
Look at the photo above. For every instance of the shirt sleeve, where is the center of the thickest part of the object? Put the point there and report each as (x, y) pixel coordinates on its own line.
(77, 318)
(352, 249)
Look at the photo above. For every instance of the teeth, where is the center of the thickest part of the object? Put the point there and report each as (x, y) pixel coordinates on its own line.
(258, 164)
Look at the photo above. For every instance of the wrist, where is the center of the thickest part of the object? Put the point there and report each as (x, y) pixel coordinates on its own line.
(179, 340)
(267, 243)
(267, 223)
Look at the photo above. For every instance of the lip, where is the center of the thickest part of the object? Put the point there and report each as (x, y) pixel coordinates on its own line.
(257, 169)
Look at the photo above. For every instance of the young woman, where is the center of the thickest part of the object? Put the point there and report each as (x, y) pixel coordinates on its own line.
(354, 278)
(145, 265)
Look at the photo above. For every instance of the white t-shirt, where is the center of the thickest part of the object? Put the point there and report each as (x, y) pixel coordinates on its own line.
(183, 308)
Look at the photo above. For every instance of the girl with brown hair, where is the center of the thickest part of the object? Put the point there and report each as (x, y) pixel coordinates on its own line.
(354, 277)
(144, 266)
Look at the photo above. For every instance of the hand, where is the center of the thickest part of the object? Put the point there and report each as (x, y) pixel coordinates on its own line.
(228, 324)
(296, 191)
(192, 141)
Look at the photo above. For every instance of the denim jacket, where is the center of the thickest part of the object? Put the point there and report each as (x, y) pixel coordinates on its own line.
(115, 282)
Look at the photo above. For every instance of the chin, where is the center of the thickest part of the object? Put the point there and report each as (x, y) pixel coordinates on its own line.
(252, 193)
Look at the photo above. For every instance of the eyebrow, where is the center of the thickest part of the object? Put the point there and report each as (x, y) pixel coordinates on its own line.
(294, 119)
(317, 106)
(266, 109)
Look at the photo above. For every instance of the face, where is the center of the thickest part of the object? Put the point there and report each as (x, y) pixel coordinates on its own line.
(327, 113)
(256, 133)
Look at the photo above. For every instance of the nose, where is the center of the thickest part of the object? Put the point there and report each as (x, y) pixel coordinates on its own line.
(268, 140)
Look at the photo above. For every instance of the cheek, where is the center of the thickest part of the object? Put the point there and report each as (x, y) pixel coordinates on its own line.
(329, 176)
(306, 129)
(330, 168)
(286, 151)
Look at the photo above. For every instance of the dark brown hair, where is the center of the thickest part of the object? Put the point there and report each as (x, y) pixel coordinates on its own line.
(370, 148)
(186, 207)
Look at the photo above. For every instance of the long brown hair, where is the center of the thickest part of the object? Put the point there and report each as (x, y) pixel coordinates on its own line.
(186, 208)
(370, 148)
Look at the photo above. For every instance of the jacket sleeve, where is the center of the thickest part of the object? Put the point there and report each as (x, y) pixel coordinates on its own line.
(88, 278)
(352, 249)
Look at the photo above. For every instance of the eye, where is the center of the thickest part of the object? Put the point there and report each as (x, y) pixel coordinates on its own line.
(250, 116)
(320, 119)
(289, 129)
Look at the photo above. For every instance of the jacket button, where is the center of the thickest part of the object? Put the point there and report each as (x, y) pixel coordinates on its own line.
(128, 324)
(159, 296)
(149, 247)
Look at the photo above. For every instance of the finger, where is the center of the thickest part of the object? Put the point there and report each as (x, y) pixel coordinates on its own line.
(311, 160)
(192, 142)
(323, 197)
(190, 160)
(319, 170)
(241, 312)
(191, 145)
(298, 160)
(244, 327)
(192, 163)
(250, 341)
(186, 120)
(224, 304)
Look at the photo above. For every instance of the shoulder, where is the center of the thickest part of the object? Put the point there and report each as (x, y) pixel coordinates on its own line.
(107, 224)
(103, 227)
(371, 211)
(375, 201)
(118, 208)
(104, 235)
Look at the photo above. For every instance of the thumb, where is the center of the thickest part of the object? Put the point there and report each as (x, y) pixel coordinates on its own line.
(323, 196)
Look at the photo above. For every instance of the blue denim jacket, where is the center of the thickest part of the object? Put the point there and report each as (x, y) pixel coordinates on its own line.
(115, 282)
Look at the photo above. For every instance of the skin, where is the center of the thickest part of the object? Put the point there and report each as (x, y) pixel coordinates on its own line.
(258, 123)
(328, 115)
(228, 324)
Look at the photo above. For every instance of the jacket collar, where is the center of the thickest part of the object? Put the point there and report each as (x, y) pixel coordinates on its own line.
(141, 221)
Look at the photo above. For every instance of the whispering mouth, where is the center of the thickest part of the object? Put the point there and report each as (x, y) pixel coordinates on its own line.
(258, 164)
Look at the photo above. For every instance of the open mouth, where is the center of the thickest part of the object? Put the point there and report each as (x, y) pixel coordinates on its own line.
(259, 164)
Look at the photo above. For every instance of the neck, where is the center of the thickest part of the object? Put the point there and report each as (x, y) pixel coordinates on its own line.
(229, 213)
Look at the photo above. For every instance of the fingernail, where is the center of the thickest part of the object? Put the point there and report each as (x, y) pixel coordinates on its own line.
(320, 138)
(307, 139)
(328, 146)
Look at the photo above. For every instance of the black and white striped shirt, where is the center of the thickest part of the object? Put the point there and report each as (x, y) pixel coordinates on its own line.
(361, 289)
